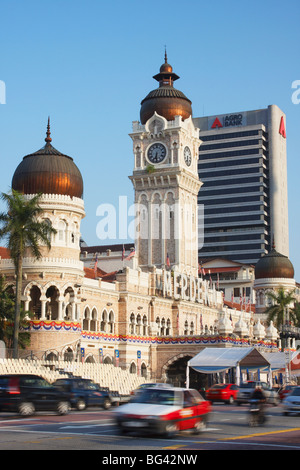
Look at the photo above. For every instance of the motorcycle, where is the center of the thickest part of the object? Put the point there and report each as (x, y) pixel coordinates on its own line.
(257, 415)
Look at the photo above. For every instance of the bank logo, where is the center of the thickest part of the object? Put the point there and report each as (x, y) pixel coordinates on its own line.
(282, 128)
(228, 120)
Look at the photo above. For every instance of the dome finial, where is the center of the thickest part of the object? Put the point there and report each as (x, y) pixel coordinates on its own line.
(48, 138)
(166, 58)
(273, 243)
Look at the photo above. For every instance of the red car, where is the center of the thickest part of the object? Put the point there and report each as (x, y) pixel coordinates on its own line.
(163, 411)
(222, 392)
(285, 390)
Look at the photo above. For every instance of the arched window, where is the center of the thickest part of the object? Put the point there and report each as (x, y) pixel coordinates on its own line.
(111, 322)
(168, 329)
(145, 329)
(62, 231)
(93, 325)
(104, 318)
(138, 324)
(86, 319)
(132, 324)
(163, 325)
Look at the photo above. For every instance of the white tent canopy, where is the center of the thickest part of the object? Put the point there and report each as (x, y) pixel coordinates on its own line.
(213, 360)
(279, 360)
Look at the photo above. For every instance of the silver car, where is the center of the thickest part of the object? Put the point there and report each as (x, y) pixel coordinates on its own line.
(246, 390)
(291, 403)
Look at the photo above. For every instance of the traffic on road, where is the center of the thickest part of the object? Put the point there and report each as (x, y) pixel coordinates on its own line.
(172, 418)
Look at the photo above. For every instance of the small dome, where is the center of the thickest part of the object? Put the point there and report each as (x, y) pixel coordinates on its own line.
(272, 332)
(48, 171)
(259, 330)
(274, 265)
(165, 100)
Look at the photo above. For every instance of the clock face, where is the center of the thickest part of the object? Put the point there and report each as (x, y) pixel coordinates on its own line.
(187, 156)
(156, 153)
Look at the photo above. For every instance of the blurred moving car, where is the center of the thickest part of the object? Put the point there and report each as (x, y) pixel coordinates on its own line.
(28, 393)
(150, 385)
(83, 393)
(222, 392)
(291, 403)
(246, 389)
(163, 410)
(285, 390)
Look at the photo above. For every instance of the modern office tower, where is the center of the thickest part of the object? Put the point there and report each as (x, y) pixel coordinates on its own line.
(242, 164)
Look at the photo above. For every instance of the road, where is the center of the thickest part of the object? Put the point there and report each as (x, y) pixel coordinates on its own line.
(94, 429)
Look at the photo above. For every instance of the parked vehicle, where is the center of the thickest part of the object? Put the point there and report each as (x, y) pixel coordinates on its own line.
(285, 390)
(222, 392)
(164, 411)
(28, 393)
(291, 403)
(83, 393)
(246, 389)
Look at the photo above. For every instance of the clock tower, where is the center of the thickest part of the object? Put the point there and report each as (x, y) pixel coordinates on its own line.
(165, 178)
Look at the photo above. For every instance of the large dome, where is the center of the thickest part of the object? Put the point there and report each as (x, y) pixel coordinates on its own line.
(48, 171)
(165, 100)
(274, 265)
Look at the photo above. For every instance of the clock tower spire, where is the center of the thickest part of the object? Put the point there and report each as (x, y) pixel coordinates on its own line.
(165, 178)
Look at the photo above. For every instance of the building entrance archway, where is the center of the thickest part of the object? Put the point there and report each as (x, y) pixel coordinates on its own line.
(176, 374)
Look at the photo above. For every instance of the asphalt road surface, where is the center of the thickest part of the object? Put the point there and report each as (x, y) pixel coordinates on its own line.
(94, 429)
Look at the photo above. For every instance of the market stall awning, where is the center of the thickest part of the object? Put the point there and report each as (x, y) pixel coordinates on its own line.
(212, 360)
(279, 360)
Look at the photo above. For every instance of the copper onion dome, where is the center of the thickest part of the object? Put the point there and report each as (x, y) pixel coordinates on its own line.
(48, 171)
(165, 100)
(274, 265)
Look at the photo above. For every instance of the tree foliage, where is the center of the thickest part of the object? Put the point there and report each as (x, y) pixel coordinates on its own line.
(23, 228)
(277, 311)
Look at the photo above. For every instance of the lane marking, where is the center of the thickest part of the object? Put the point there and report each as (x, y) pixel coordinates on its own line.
(260, 434)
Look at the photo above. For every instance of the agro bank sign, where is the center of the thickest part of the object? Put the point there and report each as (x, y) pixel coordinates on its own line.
(227, 120)
(182, 286)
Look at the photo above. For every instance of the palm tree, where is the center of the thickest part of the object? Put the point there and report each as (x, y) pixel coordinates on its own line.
(280, 301)
(7, 310)
(22, 229)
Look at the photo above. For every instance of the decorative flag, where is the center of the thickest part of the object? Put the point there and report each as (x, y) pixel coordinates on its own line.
(168, 260)
(123, 253)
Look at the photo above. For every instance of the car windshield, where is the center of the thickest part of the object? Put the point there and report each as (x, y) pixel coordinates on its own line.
(248, 385)
(296, 392)
(219, 386)
(158, 397)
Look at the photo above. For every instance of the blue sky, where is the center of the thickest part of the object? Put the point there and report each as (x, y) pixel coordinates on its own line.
(88, 64)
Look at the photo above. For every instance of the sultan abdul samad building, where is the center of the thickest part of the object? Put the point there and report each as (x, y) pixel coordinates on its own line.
(156, 314)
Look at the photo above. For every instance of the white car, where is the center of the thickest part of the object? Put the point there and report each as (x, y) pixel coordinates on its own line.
(163, 410)
(291, 403)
